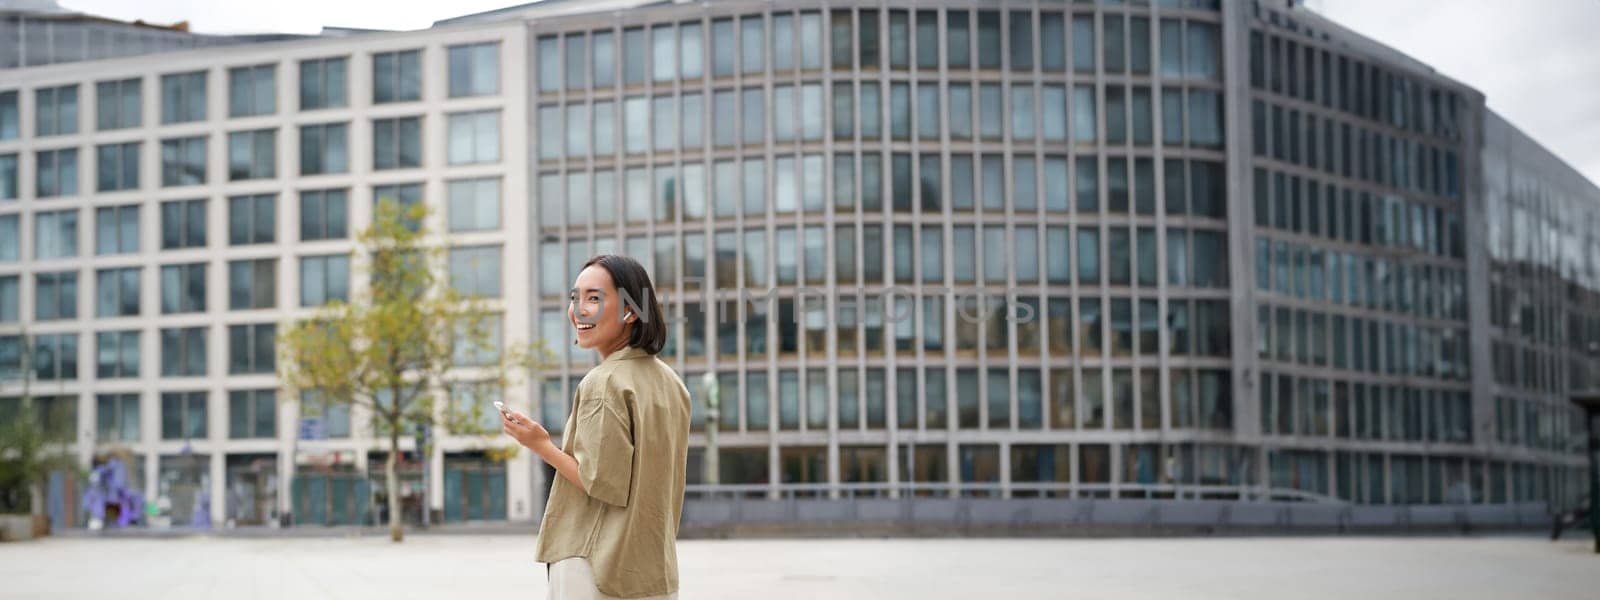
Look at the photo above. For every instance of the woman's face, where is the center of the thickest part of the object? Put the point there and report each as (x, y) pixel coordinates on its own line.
(596, 311)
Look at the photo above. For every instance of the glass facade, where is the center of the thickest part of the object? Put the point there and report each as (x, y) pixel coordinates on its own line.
(922, 156)
(1088, 190)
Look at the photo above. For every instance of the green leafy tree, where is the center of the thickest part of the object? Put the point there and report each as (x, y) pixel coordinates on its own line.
(29, 451)
(397, 346)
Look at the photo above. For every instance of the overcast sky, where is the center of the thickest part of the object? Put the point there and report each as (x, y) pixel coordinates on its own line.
(1535, 60)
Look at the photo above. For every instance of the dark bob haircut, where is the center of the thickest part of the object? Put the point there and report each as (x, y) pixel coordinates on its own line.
(638, 296)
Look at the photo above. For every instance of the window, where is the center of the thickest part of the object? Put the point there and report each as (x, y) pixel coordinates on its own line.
(475, 137)
(252, 219)
(1202, 51)
(549, 63)
(116, 167)
(1172, 48)
(252, 284)
(57, 173)
(1021, 41)
(10, 299)
(396, 76)
(117, 354)
(252, 413)
(475, 270)
(183, 288)
(10, 355)
(10, 238)
(324, 279)
(1022, 101)
(474, 204)
(183, 97)
(406, 195)
(1116, 115)
(575, 56)
(577, 121)
(928, 120)
(899, 39)
(251, 348)
(605, 129)
(1205, 118)
(960, 111)
(55, 356)
(1084, 124)
(8, 177)
(183, 161)
(988, 39)
(633, 56)
(55, 234)
(664, 52)
(117, 417)
(183, 224)
(56, 111)
(252, 154)
(1053, 113)
(1210, 259)
(323, 83)
(118, 104)
(396, 143)
(324, 148)
(693, 129)
(1052, 42)
(55, 296)
(116, 292)
(471, 351)
(755, 120)
(183, 415)
(811, 42)
(475, 70)
(1083, 45)
(871, 119)
(752, 58)
(604, 47)
(1114, 51)
(252, 90)
(335, 416)
(9, 116)
(722, 47)
(324, 214)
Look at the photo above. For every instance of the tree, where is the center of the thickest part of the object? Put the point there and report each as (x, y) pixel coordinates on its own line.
(29, 452)
(400, 341)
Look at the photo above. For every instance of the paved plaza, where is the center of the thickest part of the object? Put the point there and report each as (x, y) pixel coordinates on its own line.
(501, 566)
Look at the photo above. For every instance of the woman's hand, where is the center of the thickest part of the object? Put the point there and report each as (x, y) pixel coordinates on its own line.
(525, 431)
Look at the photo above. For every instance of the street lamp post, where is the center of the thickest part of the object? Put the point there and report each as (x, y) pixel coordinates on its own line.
(1590, 403)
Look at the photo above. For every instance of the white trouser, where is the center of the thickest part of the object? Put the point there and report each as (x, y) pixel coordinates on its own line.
(573, 579)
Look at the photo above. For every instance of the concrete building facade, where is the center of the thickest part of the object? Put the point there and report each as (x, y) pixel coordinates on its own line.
(1170, 250)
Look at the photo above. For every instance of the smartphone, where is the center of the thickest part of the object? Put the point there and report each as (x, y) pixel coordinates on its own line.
(500, 406)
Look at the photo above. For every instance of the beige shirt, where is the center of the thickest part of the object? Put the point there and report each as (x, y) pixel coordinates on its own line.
(629, 430)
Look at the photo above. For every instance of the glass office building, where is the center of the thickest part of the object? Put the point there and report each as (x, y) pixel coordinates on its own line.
(1170, 249)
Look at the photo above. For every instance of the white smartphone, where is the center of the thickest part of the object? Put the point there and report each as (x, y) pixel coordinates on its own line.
(500, 406)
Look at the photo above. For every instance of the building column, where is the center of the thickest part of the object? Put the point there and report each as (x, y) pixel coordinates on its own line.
(288, 448)
(219, 488)
(435, 499)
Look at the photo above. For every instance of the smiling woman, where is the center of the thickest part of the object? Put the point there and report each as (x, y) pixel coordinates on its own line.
(623, 454)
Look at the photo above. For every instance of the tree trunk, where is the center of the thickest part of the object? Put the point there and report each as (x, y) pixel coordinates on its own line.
(393, 483)
(41, 521)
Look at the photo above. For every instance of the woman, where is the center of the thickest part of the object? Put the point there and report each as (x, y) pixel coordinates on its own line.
(611, 524)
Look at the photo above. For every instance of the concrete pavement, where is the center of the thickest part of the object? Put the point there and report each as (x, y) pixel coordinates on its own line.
(502, 566)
